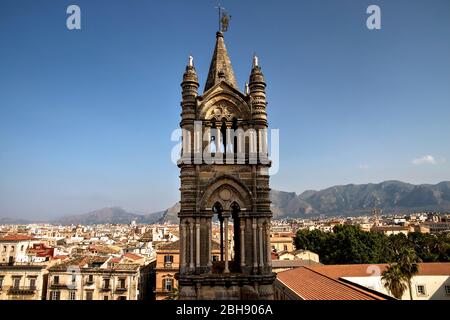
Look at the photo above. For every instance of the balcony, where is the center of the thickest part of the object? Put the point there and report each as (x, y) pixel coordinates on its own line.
(106, 288)
(22, 290)
(121, 289)
(57, 285)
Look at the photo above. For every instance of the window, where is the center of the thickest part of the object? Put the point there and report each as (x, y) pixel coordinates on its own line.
(105, 283)
(421, 290)
(168, 259)
(12, 248)
(168, 284)
(55, 295)
(122, 298)
(1, 282)
(32, 283)
(89, 295)
(22, 247)
(447, 289)
(72, 295)
(56, 280)
(215, 258)
(105, 298)
(4, 248)
(74, 277)
(16, 283)
(285, 247)
(122, 283)
(90, 278)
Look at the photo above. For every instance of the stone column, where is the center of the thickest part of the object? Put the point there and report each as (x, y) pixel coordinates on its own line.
(218, 134)
(229, 150)
(183, 247)
(209, 226)
(198, 142)
(261, 246)
(240, 145)
(221, 237)
(269, 249)
(242, 243)
(197, 242)
(191, 242)
(226, 270)
(255, 253)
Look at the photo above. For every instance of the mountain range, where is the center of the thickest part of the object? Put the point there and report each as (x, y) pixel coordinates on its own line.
(344, 200)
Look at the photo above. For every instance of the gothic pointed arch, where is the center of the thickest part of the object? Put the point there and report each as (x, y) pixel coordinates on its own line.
(224, 101)
(226, 190)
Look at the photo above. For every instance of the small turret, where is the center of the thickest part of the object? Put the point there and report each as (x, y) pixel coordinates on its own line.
(257, 91)
(189, 87)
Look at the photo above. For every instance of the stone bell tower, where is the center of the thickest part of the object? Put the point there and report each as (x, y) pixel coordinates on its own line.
(224, 172)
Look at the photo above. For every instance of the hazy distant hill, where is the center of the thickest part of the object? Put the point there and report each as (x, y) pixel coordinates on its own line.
(171, 214)
(115, 215)
(391, 196)
(13, 221)
(347, 200)
(351, 199)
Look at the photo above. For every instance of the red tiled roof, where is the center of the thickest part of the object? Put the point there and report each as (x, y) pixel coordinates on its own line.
(364, 270)
(16, 237)
(115, 260)
(390, 228)
(62, 257)
(132, 256)
(311, 285)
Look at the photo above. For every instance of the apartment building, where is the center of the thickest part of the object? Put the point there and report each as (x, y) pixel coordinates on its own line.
(98, 278)
(13, 248)
(22, 281)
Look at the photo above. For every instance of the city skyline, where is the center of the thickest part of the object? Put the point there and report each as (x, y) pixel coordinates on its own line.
(86, 115)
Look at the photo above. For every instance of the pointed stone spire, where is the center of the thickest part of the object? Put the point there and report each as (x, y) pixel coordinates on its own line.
(220, 68)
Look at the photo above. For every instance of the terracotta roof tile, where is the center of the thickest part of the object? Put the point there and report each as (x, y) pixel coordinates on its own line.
(311, 285)
(132, 256)
(363, 270)
(16, 237)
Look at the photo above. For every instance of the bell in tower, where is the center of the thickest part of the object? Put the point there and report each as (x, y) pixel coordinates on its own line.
(224, 172)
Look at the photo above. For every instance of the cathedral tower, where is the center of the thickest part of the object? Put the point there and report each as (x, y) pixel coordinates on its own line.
(224, 172)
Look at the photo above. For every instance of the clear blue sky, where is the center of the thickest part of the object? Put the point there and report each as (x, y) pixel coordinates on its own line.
(86, 116)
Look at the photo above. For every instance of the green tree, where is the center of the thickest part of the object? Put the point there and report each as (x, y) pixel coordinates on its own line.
(407, 260)
(394, 280)
(441, 247)
(348, 244)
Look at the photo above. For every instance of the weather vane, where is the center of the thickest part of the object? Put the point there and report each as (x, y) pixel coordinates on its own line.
(224, 18)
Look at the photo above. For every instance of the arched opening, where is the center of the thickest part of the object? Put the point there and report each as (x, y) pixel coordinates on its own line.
(223, 132)
(218, 209)
(234, 127)
(229, 238)
(212, 142)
